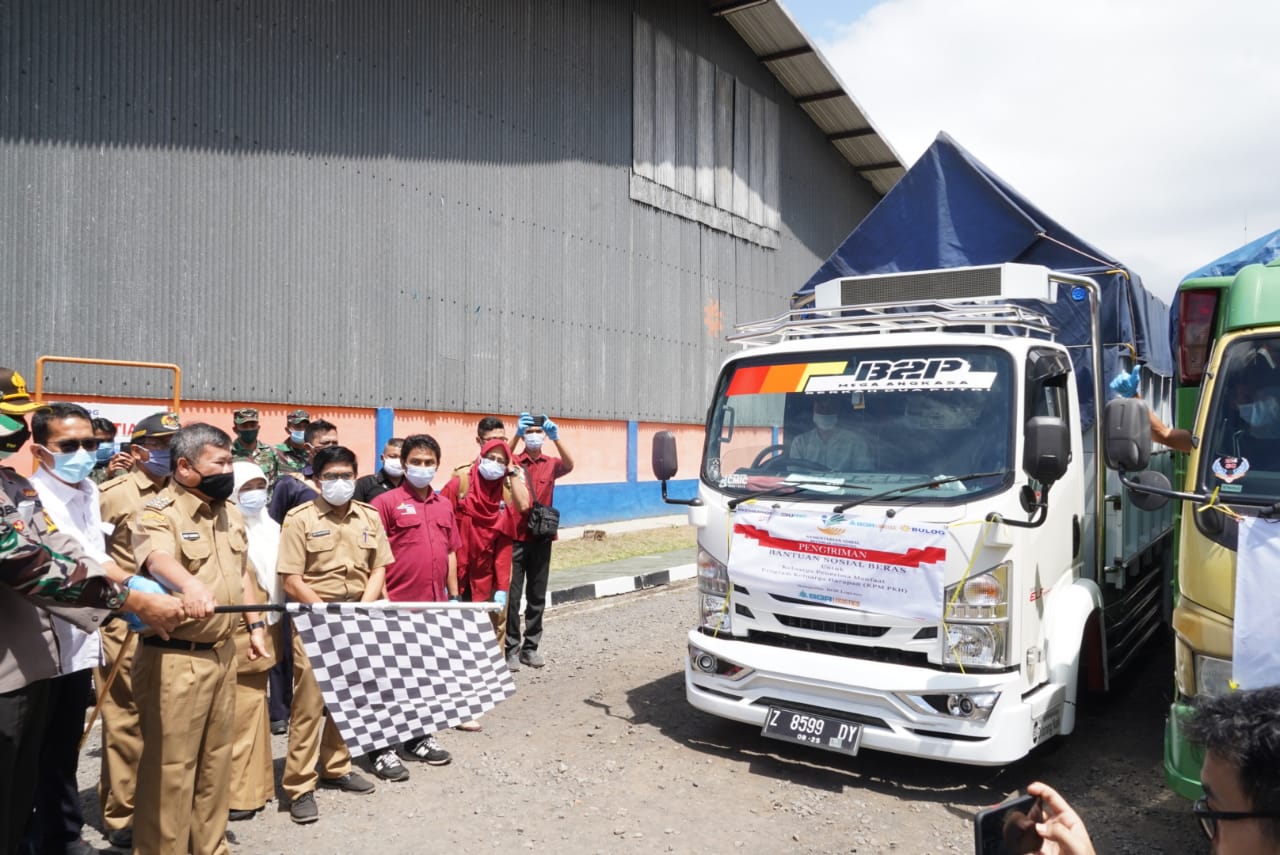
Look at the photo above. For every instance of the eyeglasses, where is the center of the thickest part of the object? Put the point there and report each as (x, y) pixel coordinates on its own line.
(337, 476)
(67, 446)
(1209, 818)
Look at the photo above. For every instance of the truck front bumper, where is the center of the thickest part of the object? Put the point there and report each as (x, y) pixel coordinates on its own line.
(883, 698)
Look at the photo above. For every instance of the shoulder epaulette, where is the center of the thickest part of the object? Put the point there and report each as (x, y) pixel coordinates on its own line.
(159, 503)
(112, 482)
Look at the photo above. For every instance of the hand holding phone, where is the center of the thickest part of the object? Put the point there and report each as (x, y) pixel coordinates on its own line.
(1009, 828)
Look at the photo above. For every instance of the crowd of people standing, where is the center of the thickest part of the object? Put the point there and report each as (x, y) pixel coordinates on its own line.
(115, 558)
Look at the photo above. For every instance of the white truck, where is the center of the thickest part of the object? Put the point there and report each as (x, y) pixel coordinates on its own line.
(907, 540)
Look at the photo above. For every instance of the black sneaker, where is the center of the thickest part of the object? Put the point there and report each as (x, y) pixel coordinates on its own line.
(428, 750)
(121, 838)
(304, 810)
(352, 782)
(241, 815)
(532, 658)
(387, 766)
(279, 727)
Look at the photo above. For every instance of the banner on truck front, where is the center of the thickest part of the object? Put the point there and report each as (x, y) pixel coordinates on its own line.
(1256, 634)
(874, 565)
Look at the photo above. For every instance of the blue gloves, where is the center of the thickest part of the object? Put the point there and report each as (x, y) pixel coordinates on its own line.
(499, 598)
(551, 428)
(1126, 384)
(146, 586)
(526, 422)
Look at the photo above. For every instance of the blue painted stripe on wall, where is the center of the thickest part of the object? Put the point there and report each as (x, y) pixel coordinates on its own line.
(580, 504)
(383, 429)
(633, 443)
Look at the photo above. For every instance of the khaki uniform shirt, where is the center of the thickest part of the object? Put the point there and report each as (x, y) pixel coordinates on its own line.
(208, 541)
(334, 551)
(120, 499)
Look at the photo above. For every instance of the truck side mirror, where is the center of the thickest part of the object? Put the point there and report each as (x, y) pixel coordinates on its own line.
(1126, 435)
(1144, 501)
(1047, 451)
(665, 463)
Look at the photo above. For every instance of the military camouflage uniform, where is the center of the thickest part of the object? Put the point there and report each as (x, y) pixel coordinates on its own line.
(264, 455)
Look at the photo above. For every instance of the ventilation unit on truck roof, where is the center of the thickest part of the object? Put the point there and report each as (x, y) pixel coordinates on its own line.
(998, 281)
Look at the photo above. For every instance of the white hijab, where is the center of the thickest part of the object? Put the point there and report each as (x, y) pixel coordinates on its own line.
(264, 537)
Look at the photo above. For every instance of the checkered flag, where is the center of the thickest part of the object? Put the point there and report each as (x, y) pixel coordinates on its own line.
(389, 675)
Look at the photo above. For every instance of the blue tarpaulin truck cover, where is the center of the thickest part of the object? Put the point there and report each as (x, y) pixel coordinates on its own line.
(1263, 250)
(950, 210)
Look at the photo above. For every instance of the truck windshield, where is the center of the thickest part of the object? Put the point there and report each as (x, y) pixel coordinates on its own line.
(841, 425)
(1241, 447)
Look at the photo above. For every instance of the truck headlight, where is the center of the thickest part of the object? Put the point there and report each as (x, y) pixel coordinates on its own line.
(713, 593)
(976, 618)
(1213, 676)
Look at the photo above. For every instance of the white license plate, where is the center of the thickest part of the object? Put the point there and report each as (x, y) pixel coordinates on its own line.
(820, 731)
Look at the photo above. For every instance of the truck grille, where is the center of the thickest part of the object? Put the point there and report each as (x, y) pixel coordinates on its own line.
(832, 648)
(831, 627)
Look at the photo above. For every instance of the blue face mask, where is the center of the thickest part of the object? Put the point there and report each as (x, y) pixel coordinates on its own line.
(105, 451)
(73, 466)
(158, 462)
(298, 436)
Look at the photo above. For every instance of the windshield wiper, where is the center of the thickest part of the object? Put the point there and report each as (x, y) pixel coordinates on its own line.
(787, 488)
(923, 485)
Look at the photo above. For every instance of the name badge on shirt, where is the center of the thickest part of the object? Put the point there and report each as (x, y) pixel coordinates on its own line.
(321, 533)
(191, 535)
(406, 509)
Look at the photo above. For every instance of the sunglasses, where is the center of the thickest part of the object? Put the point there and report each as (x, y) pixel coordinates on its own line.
(67, 446)
(337, 476)
(1209, 818)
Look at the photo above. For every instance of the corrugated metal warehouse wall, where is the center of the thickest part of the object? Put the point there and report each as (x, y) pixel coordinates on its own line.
(406, 204)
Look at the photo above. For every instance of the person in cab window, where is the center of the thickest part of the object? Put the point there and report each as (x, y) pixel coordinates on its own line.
(830, 445)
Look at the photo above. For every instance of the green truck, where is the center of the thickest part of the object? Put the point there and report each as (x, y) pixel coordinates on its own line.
(1227, 345)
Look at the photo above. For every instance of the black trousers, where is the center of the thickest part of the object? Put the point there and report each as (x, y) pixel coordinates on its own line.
(22, 724)
(58, 819)
(280, 677)
(530, 572)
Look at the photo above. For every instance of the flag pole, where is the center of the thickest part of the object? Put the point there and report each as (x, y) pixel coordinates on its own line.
(294, 608)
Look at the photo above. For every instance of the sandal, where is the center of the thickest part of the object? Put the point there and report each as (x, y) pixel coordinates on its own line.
(472, 726)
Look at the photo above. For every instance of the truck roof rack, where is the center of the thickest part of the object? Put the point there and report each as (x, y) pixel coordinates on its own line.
(882, 318)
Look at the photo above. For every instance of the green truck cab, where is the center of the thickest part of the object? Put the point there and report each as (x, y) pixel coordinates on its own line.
(1227, 345)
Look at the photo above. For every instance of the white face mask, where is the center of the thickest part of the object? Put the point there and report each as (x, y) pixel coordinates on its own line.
(1260, 413)
(492, 470)
(392, 466)
(825, 421)
(252, 501)
(420, 476)
(533, 441)
(337, 492)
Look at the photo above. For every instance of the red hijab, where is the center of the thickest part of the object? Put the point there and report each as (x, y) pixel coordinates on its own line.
(483, 502)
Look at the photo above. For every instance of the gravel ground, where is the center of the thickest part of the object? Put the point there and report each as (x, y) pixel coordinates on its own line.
(599, 752)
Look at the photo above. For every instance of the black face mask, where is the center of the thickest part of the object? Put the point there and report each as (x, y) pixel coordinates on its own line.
(217, 487)
(248, 437)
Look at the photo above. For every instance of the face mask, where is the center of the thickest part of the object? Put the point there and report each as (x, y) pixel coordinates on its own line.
(73, 467)
(337, 492)
(298, 436)
(533, 441)
(492, 470)
(1260, 413)
(393, 467)
(158, 462)
(104, 452)
(420, 476)
(248, 437)
(825, 421)
(217, 487)
(252, 501)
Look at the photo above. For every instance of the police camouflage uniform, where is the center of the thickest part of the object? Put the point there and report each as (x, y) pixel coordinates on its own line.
(291, 461)
(120, 499)
(262, 454)
(335, 554)
(185, 687)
